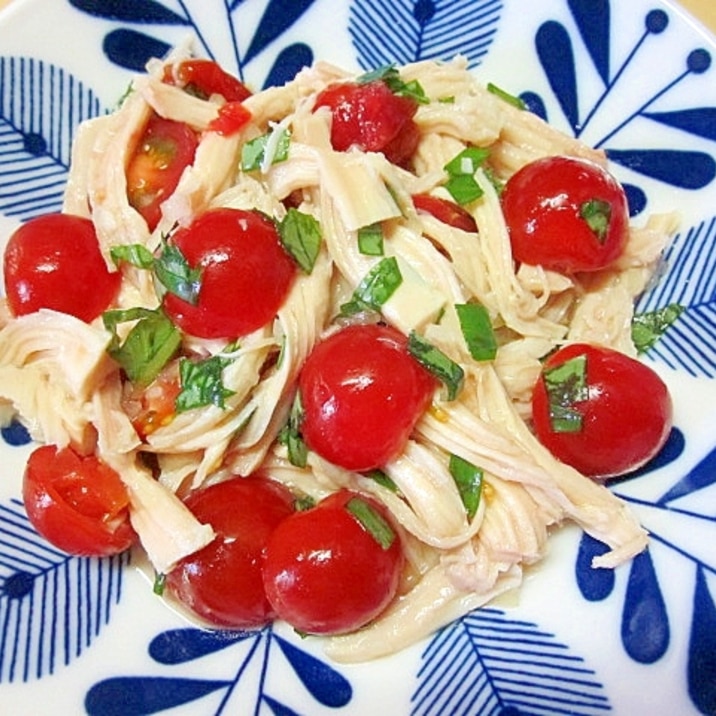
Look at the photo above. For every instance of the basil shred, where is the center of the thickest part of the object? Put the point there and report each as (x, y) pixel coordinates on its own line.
(301, 237)
(461, 182)
(597, 214)
(566, 385)
(477, 330)
(291, 437)
(375, 288)
(440, 365)
(647, 328)
(370, 240)
(253, 153)
(201, 383)
(371, 521)
(468, 479)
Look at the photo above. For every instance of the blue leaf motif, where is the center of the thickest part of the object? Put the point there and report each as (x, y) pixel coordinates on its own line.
(703, 475)
(131, 49)
(289, 61)
(592, 18)
(36, 131)
(145, 11)
(681, 168)
(699, 121)
(408, 30)
(701, 667)
(645, 622)
(52, 607)
(179, 646)
(277, 708)
(15, 434)
(594, 584)
(472, 666)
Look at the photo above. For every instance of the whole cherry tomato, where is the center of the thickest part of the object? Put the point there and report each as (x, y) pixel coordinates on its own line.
(245, 274)
(222, 582)
(370, 116)
(602, 412)
(54, 261)
(77, 502)
(362, 393)
(333, 568)
(204, 78)
(446, 211)
(565, 214)
(163, 152)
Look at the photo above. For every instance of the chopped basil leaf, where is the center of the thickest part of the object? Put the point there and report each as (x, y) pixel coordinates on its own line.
(450, 99)
(597, 214)
(149, 345)
(382, 479)
(174, 273)
(303, 503)
(647, 328)
(301, 236)
(376, 288)
(201, 383)
(506, 96)
(390, 75)
(370, 240)
(160, 581)
(566, 385)
(372, 522)
(135, 254)
(290, 435)
(477, 331)
(468, 479)
(461, 182)
(440, 365)
(253, 153)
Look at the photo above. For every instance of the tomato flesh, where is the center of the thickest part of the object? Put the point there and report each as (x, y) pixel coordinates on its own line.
(325, 573)
(362, 393)
(162, 154)
(54, 261)
(78, 503)
(565, 214)
(222, 583)
(370, 116)
(246, 274)
(446, 211)
(205, 78)
(626, 416)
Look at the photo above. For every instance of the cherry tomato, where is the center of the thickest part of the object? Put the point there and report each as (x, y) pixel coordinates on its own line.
(204, 78)
(54, 261)
(222, 582)
(362, 393)
(446, 211)
(165, 149)
(565, 214)
(232, 117)
(246, 274)
(156, 405)
(325, 570)
(373, 118)
(624, 409)
(78, 503)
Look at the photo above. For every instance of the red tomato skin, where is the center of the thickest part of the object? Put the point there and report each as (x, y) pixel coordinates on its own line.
(627, 417)
(54, 261)
(542, 204)
(246, 274)
(222, 582)
(446, 211)
(164, 151)
(232, 118)
(206, 77)
(325, 574)
(362, 393)
(77, 503)
(373, 118)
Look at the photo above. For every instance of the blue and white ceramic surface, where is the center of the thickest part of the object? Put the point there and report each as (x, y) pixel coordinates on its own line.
(637, 79)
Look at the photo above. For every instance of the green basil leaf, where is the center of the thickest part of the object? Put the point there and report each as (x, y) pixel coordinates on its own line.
(253, 153)
(149, 345)
(134, 254)
(290, 435)
(597, 214)
(376, 288)
(461, 182)
(506, 96)
(440, 365)
(372, 521)
(468, 479)
(382, 479)
(647, 328)
(370, 240)
(301, 236)
(477, 331)
(174, 273)
(391, 76)
(160, 582)
(566, 386)
(202, 383)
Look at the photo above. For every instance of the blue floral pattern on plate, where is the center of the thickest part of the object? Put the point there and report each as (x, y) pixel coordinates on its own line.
(494, 661)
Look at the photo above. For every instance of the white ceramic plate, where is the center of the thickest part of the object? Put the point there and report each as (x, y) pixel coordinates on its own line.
(634, 78)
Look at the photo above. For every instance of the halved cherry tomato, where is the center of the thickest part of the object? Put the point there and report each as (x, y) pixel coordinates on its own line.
(165, 149)
(204, 78)
(370, 116)
(565, 214)
(623, 411)
(246, 274)
(77, 502)
(54, 261)
(222, 582)
(327, 571)
(155, 407)
(362, 393)
(446, 211)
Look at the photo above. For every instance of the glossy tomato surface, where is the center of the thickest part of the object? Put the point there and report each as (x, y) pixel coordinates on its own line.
(246, 274)
(204, 78)
(626, 413)
(78, 503)
(362, 393)
(162, 154)
(222, 582)
(54, 261)
(565, 214)
(326, 573)
(446, 211)
(370, 116)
